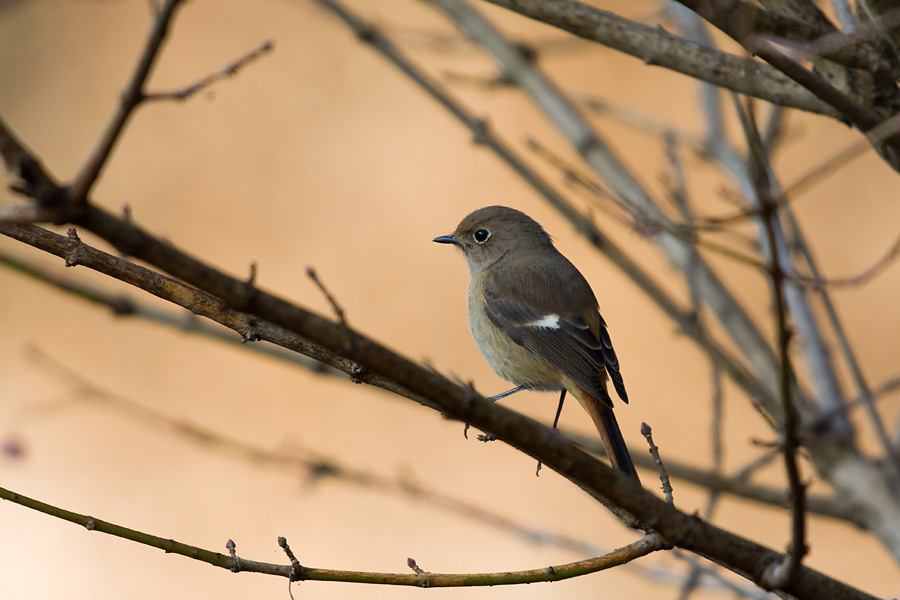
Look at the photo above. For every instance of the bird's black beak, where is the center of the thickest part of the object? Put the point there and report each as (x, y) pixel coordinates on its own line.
(446, 239)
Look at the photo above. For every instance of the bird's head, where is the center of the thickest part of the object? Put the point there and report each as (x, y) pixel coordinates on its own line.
(489, 234)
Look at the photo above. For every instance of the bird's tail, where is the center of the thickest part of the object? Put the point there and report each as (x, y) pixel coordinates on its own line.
(610, 434)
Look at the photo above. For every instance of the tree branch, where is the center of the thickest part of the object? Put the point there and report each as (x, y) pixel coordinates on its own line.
(603, 161)
(655, 46)
(296, 572)
(131, 97)
(786, 569)
(606, 485)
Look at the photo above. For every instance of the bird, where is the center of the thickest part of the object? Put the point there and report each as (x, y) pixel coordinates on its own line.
(536, 319)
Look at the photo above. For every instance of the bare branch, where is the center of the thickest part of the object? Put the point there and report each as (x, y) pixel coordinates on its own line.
(131, 97)
(603, 161)
(184, 322)
(296, 572)
(784, 570)
(229, 70)
(31, 178)
(338, 311)
(366, 32)
(725, 15)
(198, 302)
(655, 46)
(603, 483)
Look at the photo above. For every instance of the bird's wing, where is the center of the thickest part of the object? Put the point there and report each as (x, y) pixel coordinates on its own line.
(611, 361)
(552, 330)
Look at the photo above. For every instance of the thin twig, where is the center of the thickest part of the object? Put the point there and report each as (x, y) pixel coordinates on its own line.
(606, 164)
(132, 96)
(27, 213)
(32, 180)
(369, 34)
(781, 571)
(642, 547)
(296, 568)
(812, 176)
(647, 432)
(604, 484)
(680, 198)
(723, 15)
(341, 315)
(655, 46)
(183, 322)
(229, 70)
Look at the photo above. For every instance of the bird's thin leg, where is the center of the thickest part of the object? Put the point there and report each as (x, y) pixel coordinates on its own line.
(562, 399)
(494, 398)
(503, 395)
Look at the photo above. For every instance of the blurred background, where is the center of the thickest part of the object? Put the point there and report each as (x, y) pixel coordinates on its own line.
(322, 154)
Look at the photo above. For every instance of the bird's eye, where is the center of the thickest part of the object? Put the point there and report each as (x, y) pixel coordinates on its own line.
(482, 235)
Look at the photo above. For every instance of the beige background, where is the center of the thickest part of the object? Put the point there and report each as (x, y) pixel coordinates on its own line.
(322, 154)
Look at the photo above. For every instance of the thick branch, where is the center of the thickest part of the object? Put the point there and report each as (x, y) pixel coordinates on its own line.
(600, 481)
(655, 46)
(865, 118)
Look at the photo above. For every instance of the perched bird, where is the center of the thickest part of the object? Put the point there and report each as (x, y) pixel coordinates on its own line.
(536, 319)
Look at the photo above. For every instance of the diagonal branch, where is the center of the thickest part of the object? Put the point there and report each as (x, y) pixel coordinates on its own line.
(865, 118)
(31, 180)
(229, 70)
(602, 160)
(606, 485)
(655, 46)
(184, 322)
(590, 230)
(131, 97)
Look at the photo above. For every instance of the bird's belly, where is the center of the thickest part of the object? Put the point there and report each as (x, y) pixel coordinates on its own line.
(509, 360)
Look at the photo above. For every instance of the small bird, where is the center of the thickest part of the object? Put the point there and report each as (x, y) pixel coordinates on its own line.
(536, 319)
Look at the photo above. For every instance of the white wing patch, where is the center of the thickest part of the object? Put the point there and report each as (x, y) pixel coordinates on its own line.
(545, 322)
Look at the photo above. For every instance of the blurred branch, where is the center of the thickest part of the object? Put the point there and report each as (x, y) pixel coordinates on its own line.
(249, 327)
(185, 322)
(229, 70)
(29, 179)
(603, 483)
(321, 467)
(834, 507)
(254, 312)
(654, 46)
(482, 134)
(783, 570)
(603, 161)
(132, 96)
(730, 16)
